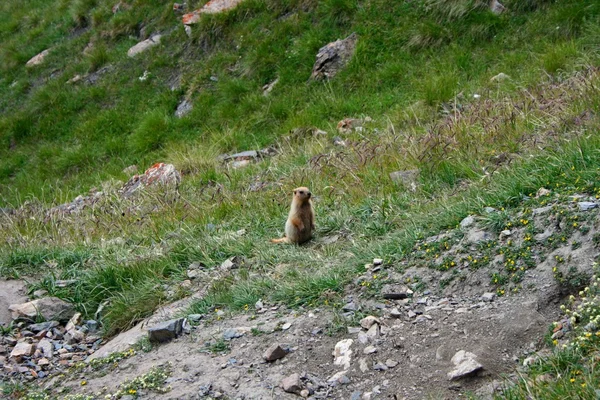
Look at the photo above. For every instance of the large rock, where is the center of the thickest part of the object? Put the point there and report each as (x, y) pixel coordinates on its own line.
(144, 45)
(332, 57)
(49, 308)
(160, 174)
(166, 331)
(466, 364)
(38, 59)
(212, 7)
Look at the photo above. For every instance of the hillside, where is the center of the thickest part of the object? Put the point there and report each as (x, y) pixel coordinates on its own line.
(452, 153)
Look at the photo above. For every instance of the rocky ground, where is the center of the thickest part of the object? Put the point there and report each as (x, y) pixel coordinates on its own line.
(456, 317)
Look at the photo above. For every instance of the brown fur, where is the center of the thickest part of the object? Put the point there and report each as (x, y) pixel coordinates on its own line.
(301, 219)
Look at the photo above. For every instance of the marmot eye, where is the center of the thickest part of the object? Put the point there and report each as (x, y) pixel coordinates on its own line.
(301, 192)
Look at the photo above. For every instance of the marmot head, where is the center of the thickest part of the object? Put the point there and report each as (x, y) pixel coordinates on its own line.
(302, 193)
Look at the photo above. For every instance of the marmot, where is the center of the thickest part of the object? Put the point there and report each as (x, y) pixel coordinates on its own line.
(301, 219)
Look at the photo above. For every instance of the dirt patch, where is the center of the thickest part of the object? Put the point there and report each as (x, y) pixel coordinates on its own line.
(417, 350)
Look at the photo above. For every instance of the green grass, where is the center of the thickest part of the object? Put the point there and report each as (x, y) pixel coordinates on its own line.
(60, 139)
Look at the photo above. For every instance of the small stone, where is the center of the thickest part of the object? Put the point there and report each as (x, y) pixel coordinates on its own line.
(22, 349)
(43, 326)
(286, 326)
(228, 264)
(73, 322)
(353, 330)
(193, 274)
(586, 205)
(350, 307)
(42, 362)
(269, 87)
(234, 333)
(38, 59)
(501, 76)
(338, 141)
(305, 393)
(144, 45)
(259, 305)
(45, 346)
(395, 313)
(291, 384)
(195, 317)
(394, 292)
(367, 322)
(373, 331)
(92, 325)
(542, 192)
(332, 57)
(391, 363)
(377, 261)
(183, 109)
(497, 8)
(380, 367)
(505, 233)
(40, 293)
(363, 365)
(363, 338)
(411, 314)
(370, 350)
(166, 331)
(74, 336)
(274, 352)
(467, 222)
(488, 297)
(339, 378)
(342, 353)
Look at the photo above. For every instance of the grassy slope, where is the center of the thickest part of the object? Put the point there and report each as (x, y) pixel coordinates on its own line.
(58, 140)
(417, 67)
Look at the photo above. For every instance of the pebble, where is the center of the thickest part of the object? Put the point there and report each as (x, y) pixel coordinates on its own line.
(488, 297)
(291, 384)
(274, 352)
(380, 367)
(370, 350)
(587, 205)
(367, 322)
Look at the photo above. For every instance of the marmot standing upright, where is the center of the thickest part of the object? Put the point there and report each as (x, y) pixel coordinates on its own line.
(301, 219)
